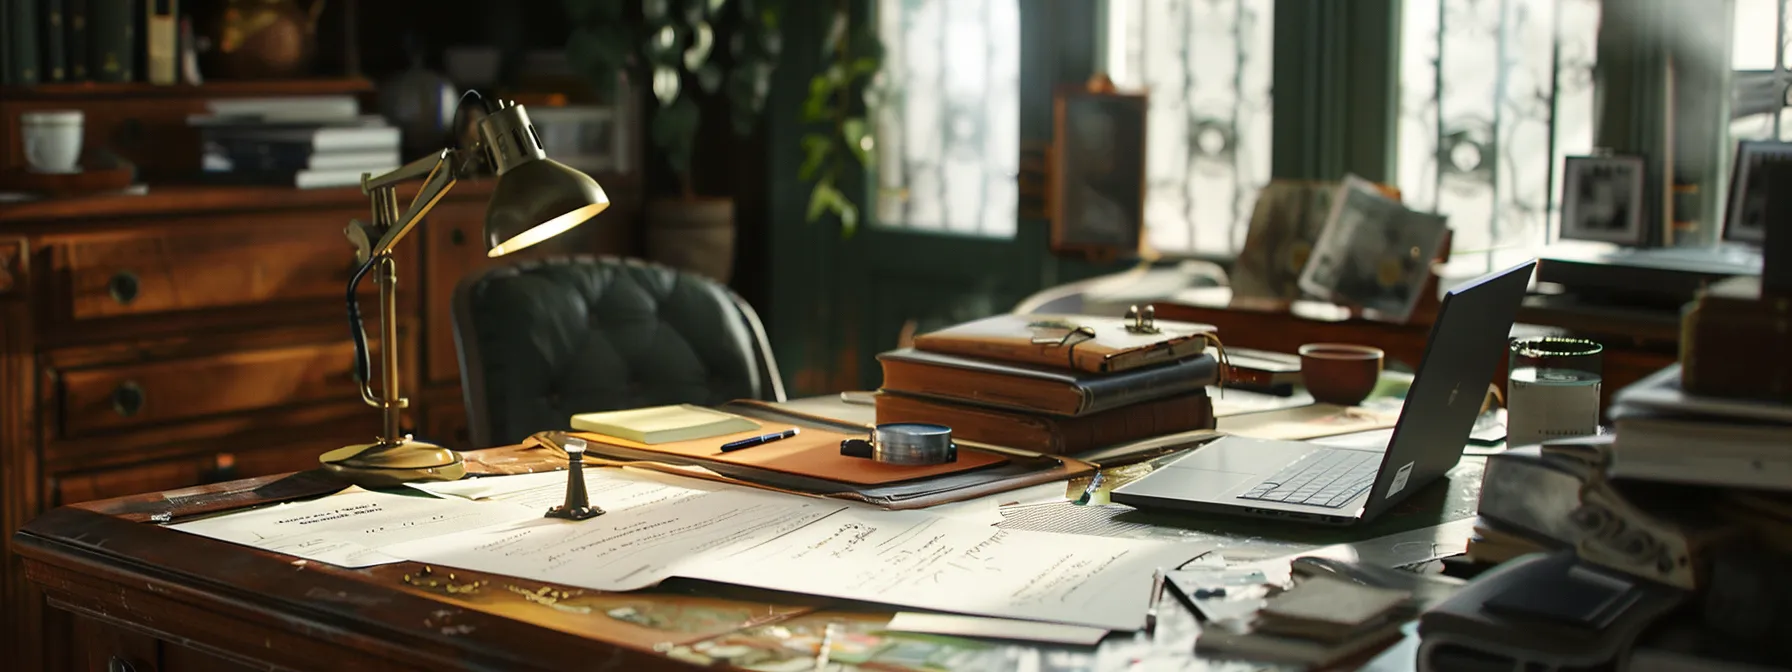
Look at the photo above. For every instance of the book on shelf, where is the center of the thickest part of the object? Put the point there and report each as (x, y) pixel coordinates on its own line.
(20, 43)
(1039, 389)
(276, 157)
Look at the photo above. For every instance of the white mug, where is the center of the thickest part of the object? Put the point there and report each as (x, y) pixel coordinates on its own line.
(52, 140)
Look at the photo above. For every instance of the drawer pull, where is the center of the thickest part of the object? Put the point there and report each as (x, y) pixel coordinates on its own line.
(117, 664)
(127, 400)
(457, 237)
(123, 287)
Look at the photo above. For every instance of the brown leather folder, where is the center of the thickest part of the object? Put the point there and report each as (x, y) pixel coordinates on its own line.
(1093, 343)
(1048, 434)
(1040, 389)
(1020, 469)
(814, 452)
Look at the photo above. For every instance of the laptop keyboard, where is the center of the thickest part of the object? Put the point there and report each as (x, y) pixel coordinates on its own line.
(1328, 478)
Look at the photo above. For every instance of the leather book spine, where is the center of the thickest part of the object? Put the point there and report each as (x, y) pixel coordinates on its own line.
(1134, 387)
(21, 40)
(74, 42)
(1736, 348)
(1014, 388)
(160, 31)
(111, 40)
(1053, 435)
(55, 63)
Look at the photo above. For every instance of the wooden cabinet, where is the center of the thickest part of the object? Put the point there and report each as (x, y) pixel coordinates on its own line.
(195, 335)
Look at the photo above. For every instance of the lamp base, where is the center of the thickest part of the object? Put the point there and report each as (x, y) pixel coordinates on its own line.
(380, 465)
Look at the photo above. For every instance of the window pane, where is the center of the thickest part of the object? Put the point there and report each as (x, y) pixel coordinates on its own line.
(948, 136)
(1493, 94)
(1206, 66)
(1758, 104)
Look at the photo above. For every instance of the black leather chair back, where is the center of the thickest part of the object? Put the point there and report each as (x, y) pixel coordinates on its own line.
(544, 339)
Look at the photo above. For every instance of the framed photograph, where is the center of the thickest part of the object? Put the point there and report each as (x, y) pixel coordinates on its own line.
(1374, 253)
(1745, 215)
(1097, 199)
(1602, 199)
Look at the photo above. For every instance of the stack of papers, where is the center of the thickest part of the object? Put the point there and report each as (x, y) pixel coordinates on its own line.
(658, 527)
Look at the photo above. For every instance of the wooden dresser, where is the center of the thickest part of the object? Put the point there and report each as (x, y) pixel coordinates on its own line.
(198, 334)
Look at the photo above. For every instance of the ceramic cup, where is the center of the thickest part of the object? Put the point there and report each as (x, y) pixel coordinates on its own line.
(52, 140)
(1340, 373)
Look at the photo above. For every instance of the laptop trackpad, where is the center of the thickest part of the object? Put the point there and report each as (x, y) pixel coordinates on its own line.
(1185, 483)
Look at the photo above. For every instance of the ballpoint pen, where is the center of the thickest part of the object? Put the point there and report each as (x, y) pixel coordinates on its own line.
(762, 439)
(1157, 597)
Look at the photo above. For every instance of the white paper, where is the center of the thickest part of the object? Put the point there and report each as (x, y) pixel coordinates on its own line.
(1000, 628)
(780, 542)
(627, 548)
(342, 529)
(608, 489)
(914, 559)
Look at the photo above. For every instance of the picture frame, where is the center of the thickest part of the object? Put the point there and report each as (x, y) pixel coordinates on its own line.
(1746, 208)
(1097, 195)
(1603, 199)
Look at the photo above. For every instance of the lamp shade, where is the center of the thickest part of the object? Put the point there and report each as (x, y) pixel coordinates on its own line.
(538, 200)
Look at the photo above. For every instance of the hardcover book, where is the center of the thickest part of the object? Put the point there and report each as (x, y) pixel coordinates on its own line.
(1040, 389)
(1097, 344)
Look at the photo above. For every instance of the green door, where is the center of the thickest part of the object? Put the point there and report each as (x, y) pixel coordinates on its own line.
(947, 235)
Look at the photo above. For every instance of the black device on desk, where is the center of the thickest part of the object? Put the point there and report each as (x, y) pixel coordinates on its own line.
(1344, 486)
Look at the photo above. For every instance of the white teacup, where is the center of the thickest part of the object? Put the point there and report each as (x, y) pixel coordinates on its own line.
(52, 140)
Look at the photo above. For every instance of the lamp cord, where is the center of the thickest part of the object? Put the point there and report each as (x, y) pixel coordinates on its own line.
(357, 330)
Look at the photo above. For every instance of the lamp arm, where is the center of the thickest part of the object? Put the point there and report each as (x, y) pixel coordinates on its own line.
(439, 177)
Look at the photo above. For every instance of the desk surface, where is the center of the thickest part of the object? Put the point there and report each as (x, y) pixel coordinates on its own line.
(108, 562)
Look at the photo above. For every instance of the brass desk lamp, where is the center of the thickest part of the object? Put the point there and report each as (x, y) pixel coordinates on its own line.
(536, 198)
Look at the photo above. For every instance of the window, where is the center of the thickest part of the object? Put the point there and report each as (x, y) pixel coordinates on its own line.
(1206, 66)
(948, 133)
(1493, 95)
(1758, 55)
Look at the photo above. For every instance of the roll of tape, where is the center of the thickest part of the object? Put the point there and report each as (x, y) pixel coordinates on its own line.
(905, 443)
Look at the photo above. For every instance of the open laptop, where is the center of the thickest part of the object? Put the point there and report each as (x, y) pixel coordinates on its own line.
(1346, 485)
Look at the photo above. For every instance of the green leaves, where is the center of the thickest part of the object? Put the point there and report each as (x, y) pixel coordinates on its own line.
(826, 199)
(817, 148)
(856, 133)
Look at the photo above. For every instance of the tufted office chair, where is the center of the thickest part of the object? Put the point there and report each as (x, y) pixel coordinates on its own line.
(542, 340)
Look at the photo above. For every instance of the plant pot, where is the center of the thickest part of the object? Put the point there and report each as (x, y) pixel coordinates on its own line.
(694, 235)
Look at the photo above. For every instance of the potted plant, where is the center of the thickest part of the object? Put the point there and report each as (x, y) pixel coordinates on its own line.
(675, 48)
(839, 100)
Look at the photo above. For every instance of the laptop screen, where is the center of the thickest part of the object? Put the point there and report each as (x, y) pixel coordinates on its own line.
(1467, 343)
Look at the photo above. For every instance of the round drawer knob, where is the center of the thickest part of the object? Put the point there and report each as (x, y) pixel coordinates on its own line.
(123, 287)
(457, 237)
(127, 400)
(117, 664)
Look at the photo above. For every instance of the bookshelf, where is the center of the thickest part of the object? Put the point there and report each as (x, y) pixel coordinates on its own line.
(146, 124)
(78, 91)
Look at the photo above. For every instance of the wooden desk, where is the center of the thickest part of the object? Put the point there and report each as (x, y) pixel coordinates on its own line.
(137, 596)
(1634, 346)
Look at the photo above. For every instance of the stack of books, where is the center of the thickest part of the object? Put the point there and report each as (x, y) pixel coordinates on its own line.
(1664, 434)
(305, 142)
(1318, 622)
(1060, 384)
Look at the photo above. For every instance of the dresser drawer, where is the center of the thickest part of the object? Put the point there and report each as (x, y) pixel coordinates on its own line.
(183, 472)
(123, 396)
(271, 258)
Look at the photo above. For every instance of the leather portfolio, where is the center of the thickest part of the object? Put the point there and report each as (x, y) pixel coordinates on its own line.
(1733, 342)
(1040, 389)
(1052, 434)
(994, 469)
(1092, 343)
